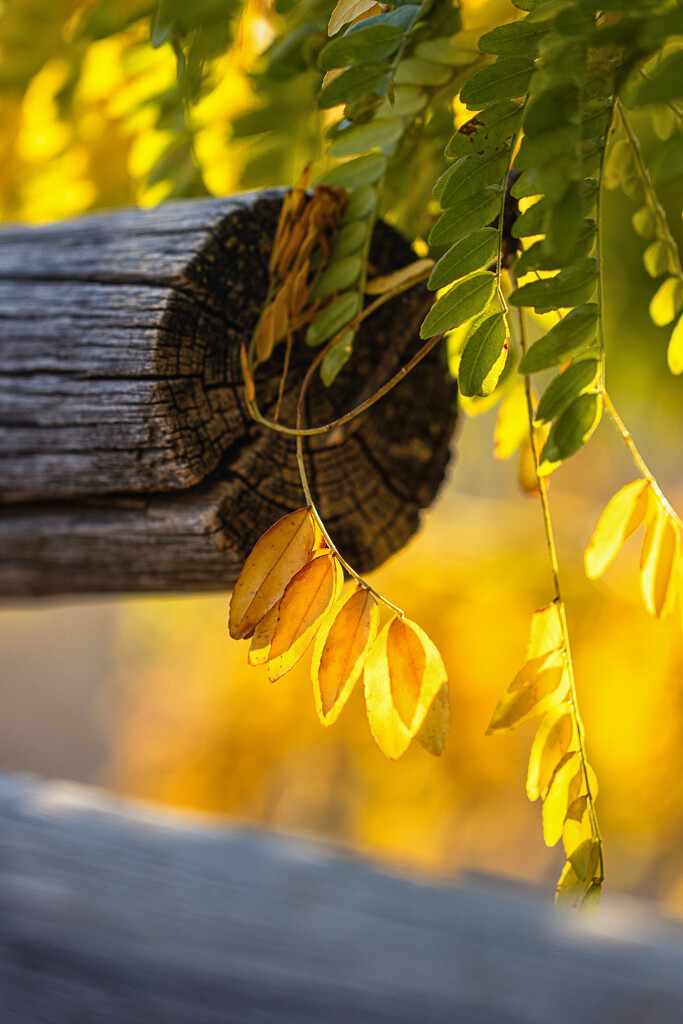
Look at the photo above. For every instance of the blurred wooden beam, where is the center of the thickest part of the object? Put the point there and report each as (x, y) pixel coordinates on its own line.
(119, 914)
(127, 458)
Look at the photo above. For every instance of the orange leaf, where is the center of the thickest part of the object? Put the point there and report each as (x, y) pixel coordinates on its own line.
(259, 648)
(341, 648)
(403, 674)
(434, 732)
(305, 601)
(277, 556)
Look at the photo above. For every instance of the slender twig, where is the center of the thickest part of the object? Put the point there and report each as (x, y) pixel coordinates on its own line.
(555, 570)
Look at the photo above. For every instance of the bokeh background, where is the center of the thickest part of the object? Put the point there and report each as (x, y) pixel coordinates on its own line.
(149, 696)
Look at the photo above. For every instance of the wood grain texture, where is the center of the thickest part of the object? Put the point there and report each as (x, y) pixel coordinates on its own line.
(124, 915)
(127, 458)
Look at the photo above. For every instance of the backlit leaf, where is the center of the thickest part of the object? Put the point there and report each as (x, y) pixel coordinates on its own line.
(545, 632)
(469, 254)
(666, 302)
(664, 83)
(485, 130)
(361, 137)
(278, 555)
(570, 431)
(470, 174)
(578, 378)
(623, 515)
(573, 332)
(484, 355)
(512, 423)
(571, 287)
(259, 648)
(413, 71)
(518, 38)
(305, 601)
(506, 79)
(345, 11)
(467, 216)
(571, 890)
(340, 650)
(362, 170)
(358, 80)
(674, 354)
(539, 685)
(434, 732)
(550, 746)
(563, 789)
(659, 563)
(465, 299)
(403, 674)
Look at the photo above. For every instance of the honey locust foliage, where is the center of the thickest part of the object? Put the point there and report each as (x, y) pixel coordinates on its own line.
(506, 214)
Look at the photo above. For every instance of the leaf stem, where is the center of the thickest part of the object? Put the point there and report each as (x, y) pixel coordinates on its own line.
(555, 570)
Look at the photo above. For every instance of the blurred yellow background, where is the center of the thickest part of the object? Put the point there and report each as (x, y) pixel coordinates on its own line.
(150, 697)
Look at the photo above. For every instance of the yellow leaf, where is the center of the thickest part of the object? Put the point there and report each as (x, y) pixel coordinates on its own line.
(563, 790)
(572, 890)
(659, 562)
(622, 517)
(264, 335)
(434, 732)
(340, 651)
(674, 354)
(545, 632)
(345, 11)
(528, 479)
(306, 600)
(512, 423)
(389, 282)
(403, 674)
(539, 685)
(666, 302)
(249, 389)
(259, 649)
(550, 745)
(277, 556)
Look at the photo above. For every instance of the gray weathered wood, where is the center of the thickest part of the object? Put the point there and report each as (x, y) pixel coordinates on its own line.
(122, 915)
(127, 458)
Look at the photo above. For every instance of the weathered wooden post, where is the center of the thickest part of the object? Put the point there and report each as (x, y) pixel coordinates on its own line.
(127, 458)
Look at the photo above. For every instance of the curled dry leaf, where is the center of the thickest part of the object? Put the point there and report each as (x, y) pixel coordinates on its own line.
(659, 563)
(307, 598)
(399, 278)
(280, 553)
(622, 516)
(539, 685)
(434, 732)
(403, 674)
(340, 651)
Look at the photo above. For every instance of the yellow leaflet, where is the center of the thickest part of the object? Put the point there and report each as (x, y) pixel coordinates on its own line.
(277, 556)
(528, 479)
(622, 517)
(564, 788)
(249, 389)
(674, 354)
(306, 600)
(539, 685)
(434, 732)
(403, 674)
(550, 745)
(512, 424)
(659, 564)
(545, 632)
(382, 285)
(345, 11)
(340, 651)
(572, 891)
(259, 649)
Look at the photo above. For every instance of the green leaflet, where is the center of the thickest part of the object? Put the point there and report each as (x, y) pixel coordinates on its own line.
(561, 392)
(493, 125)
(506, 79)
(667, 165)
(476, 250)
(575, 331)
(471, 174)
(361, 137)
(465, 299)
(445, 51)
(361, 204)
(565, 227)
(342, 309)
(484, 356)
(362, 170)
(337, 357)
(517, 39)
(553, 107)
(656, 258)
(407, 103)
(421, 72)
(571, 287)
(371, 40)
(570, 431)
(338, 275)
(534, 220)
(350, 238)
(365, 78)
(465, 217)
(542, 256)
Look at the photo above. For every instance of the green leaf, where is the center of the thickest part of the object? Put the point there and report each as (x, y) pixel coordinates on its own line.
(516, 39)
(331, 320)
(467, 216)
(667, 164)
(446, 51)
(561, 392)
(565, 227)
(506, 79)
(476, 250)
(407, 102)
(361, 204)
(494, 125)
(644, 222)
(471, 174)
(422, 72)
(571, 287)
(665, 82)
(656, 258)
(537, 150)
(574, 331)
(338, 275)
(541, 256)
(551, 108)
(363, 170)
(350, 238)
(483, 357)
(361, 137)
(570, 431)
(465, 299)
(337, 357)
(365, 78)
(532, 221)
(526, 185)
(373, 44)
